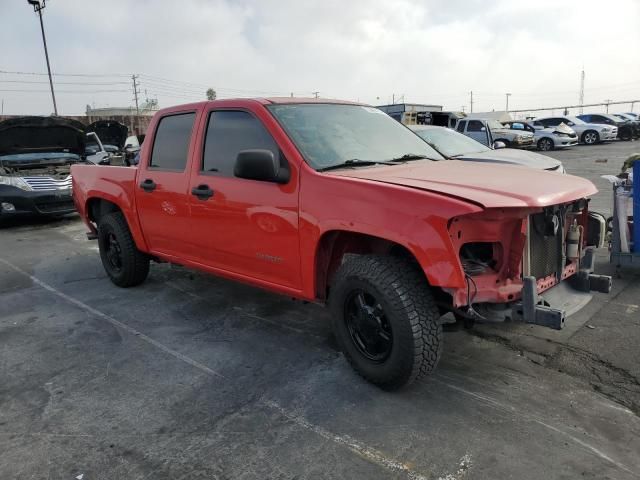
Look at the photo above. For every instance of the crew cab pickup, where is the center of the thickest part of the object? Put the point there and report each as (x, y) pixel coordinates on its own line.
(337, 203)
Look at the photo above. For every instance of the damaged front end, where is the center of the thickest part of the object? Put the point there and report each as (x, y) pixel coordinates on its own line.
(525, 264)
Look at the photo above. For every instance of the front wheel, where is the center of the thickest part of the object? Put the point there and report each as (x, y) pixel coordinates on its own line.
(590, 137)
(545, 144)
(385, 320)
(125, 265)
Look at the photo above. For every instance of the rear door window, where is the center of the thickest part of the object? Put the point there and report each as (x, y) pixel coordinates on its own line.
(171, 143)
(461, 125)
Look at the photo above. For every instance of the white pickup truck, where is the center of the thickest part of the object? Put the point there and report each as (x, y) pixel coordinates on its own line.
(489, 131)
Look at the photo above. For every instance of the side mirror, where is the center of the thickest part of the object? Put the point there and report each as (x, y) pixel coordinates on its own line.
(483, 129)
(498, 144)
(259, 165)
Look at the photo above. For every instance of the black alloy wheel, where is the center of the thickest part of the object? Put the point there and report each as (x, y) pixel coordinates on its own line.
(368, 326)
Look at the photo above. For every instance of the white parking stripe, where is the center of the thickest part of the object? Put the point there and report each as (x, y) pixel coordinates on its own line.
(346, 441)
(518, 412)
(115, 322)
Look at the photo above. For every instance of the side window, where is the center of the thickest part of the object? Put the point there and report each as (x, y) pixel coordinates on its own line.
(517, 126)
(461, 125)
(552, 122)
(228, 133)
(475, 126)
(171, 143)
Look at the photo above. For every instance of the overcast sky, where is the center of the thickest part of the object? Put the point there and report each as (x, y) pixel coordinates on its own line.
(433, 51)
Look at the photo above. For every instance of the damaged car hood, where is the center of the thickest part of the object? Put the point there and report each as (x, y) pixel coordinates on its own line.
(109, 132)
(515, 157)
(41, 135)
(492, 186)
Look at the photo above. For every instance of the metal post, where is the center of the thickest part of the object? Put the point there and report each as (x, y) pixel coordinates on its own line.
(46, 54)
(507, 107)
(471, 103)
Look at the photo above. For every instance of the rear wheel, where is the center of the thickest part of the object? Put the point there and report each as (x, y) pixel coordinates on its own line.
(590, 137)
(125, 265)
(545, 144)
(385, 320)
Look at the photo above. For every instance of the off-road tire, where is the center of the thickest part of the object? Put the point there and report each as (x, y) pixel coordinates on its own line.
(545, 144)
(135, 264)
(590, 137)
(409, 307)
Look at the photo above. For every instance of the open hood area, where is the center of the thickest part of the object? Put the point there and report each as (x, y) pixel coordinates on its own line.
(41, 135)
(489, 185)
(110, 132)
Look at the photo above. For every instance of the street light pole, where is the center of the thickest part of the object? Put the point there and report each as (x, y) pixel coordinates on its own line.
(37, 7)
(507, 107)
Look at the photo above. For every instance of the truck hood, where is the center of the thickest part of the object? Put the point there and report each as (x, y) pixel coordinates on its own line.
(513, 156)
(492, 186)
(109, 132)
(41, 135)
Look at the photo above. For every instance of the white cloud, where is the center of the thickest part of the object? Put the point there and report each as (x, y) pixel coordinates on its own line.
(433, 51)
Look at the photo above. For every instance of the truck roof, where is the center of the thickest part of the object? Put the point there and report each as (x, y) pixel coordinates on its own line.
(238, 102)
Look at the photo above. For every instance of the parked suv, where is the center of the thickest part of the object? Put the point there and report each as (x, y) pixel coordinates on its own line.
(488, 132)
(625, 128)
(547, 138)
(588, 133)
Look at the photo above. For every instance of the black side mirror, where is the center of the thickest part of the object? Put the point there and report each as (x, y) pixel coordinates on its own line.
(260, 165)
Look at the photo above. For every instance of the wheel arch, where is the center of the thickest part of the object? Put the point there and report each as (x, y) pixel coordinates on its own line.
(96, 207)
(334, 245)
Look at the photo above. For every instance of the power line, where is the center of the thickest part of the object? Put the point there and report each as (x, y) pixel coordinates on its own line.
(62, 91)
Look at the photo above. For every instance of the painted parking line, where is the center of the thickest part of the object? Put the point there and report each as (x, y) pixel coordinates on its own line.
(354, 446)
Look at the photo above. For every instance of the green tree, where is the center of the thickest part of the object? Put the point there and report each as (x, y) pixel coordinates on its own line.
(211, 94)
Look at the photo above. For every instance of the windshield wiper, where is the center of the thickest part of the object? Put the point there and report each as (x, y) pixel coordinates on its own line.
(355, 162)
(410, 156)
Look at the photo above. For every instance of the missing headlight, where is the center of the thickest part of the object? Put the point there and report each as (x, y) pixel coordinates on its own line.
(478, 257)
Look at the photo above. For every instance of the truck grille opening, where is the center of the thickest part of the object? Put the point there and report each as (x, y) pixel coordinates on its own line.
(544, 247)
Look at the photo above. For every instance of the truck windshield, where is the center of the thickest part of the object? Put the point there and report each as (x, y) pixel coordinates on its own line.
(495, 125)
(332, 134)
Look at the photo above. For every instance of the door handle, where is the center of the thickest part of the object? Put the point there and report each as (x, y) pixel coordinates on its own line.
(148, 185)
(203, 192)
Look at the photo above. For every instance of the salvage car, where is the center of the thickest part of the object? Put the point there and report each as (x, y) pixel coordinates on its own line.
(36, 155)
(336, 202)
(454, 145)
(589, 133)
(625, 128)
(489, 131)
(635, 123)
(549, 138)
(112, 134)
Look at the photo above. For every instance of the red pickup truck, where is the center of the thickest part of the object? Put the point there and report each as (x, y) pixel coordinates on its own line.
(336, 202)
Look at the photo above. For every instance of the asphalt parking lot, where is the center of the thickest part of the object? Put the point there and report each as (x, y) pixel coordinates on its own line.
(194, 377)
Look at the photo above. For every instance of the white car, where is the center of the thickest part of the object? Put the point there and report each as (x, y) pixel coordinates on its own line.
(547, 138)
(588, 133)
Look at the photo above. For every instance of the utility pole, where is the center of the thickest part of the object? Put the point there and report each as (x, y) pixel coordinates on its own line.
(606, 102)
(135, 92)
(507, 107)
(581, 99)
(632, 103)
(471, 102)
(315, 94)
(38, 5)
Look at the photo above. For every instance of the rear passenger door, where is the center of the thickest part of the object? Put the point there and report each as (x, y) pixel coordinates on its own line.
(245, 227)
(162, 201)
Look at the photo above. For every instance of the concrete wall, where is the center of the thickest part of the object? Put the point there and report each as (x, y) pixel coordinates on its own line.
(137, 124)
